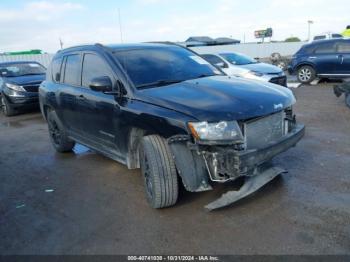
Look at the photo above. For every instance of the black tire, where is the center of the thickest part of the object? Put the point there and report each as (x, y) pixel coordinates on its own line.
(159, 172)
(306, 74)
(58, 136)
(347, 99)
(6, 107)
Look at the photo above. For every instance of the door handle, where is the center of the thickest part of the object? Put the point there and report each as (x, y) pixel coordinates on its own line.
(342, 58)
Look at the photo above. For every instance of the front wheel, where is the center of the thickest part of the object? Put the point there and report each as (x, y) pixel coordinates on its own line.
(306, 74)
(58, 136)
(7, 109)
(159, 172)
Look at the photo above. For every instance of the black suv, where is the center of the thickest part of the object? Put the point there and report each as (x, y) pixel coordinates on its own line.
(19, 83)
(164, 109)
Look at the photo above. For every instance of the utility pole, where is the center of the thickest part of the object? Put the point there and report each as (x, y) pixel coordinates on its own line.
(120, 26)
(309, 23)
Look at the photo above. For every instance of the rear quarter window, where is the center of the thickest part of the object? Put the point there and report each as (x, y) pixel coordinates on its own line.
(56, 66)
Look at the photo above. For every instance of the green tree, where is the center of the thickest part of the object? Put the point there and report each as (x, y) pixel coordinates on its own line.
(292, 39)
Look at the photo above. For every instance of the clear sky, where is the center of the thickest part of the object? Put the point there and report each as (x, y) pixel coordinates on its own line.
(27, 24)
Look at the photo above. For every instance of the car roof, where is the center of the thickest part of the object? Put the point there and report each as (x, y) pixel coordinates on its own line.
(18, 62)
(327, 41)
(116, 47)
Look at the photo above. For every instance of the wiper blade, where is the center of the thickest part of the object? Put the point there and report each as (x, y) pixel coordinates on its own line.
(204, 75)
(160, 83)
(32, 74)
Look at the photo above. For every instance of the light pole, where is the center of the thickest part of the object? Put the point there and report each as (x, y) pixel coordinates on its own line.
(120, 26)
(309, 23)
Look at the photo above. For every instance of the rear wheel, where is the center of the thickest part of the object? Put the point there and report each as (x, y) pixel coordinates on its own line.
(306, 74)
(159, 172)
(7, 109)
(58, 136)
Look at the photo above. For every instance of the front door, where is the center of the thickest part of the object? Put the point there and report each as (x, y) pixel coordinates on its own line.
(98, 111)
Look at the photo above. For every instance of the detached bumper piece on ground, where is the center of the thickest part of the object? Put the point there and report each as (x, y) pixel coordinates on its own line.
(250, 185)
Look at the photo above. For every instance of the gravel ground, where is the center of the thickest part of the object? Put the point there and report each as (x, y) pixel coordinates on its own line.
(84, 203)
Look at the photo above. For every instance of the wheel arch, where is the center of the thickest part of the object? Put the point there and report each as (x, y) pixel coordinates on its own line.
(305, 64)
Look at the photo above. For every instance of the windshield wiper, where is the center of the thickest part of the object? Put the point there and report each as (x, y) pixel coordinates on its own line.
(162, 82)
(31, 74)
(204, 75)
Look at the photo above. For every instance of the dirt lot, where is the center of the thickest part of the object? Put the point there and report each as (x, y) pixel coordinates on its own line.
(98, 206)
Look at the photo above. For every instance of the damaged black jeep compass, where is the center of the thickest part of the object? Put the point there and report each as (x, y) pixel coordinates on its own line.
(164, 109)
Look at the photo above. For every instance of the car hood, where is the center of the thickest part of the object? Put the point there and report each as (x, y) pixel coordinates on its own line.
(26, 80)
(220, 98)
(263, 68)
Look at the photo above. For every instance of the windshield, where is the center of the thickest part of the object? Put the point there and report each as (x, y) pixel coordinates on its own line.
(13, 70)
(156, 66)
(238, 59)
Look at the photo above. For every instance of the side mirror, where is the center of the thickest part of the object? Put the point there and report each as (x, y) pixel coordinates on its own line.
(101, 84)
(220, 65)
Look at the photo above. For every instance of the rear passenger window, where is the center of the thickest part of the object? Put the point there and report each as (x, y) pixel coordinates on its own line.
(72, 70)
(94, 66)
(56, 69)
(325, 48)
(344, 47)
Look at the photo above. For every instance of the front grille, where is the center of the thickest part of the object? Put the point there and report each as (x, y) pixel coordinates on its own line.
(281, 80)
(31, 88)
(262, 131)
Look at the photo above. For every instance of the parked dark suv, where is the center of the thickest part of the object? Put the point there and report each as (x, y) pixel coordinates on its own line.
(19, 83)
(165, 109)
(325, 58)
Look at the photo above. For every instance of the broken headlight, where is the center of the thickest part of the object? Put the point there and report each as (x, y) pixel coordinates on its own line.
(220, 131)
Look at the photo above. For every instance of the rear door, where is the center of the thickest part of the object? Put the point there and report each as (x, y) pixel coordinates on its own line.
(343, 54)
(70, 92)
(325, 58)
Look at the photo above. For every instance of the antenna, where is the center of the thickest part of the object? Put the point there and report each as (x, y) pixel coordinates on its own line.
(120, 26)
(61, 43)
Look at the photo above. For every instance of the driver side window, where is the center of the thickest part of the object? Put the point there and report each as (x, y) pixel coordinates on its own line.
(94, 66)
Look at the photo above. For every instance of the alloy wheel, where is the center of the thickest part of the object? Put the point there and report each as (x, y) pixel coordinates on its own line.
(305, 74)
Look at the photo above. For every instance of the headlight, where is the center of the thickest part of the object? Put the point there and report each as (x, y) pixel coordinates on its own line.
(216, 131)
(15, 87)
(253, 75)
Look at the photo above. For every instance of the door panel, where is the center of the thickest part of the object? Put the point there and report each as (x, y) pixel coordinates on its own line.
(99, 111)
(69, 93)
(325, 58)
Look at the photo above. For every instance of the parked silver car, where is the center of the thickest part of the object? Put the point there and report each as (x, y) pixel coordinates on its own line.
(241, 65)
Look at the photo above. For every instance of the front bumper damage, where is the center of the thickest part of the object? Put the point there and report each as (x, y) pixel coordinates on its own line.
(251, 184)
(200, 165)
